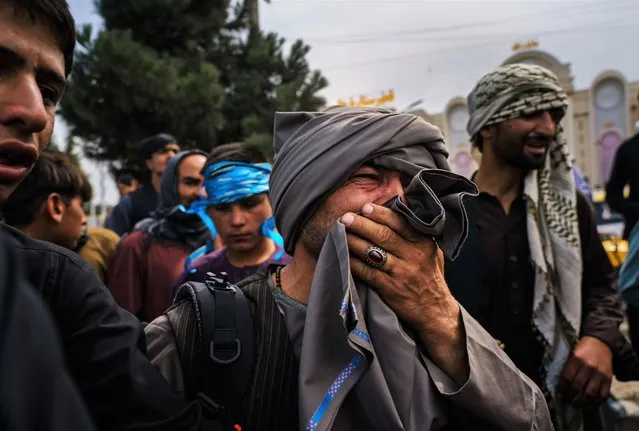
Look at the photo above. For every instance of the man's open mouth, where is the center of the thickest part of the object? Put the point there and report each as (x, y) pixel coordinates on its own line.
(15, 160)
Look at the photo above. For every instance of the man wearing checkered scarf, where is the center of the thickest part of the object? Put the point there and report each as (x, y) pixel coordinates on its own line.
(533, 249)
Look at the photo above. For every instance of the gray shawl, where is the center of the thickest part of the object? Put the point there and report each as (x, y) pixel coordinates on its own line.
(354, 345)
(168, 224)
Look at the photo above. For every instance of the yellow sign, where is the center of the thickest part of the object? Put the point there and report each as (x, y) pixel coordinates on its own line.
(530, 44)
(616, 249)
(385, 98)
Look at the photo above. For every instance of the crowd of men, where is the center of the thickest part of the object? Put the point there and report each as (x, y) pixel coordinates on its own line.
(354, 284)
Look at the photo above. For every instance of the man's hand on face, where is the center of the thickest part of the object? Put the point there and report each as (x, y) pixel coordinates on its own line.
(411, 282)
(587, 375)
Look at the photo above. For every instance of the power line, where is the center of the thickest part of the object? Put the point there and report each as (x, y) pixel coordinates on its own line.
(474, 45)
(427, 38)
(464, 26)
(386, 2)
(475, 37)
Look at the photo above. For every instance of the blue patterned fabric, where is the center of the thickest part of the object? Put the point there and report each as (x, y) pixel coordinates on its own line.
(226, 182)
(581, 183)
(229, 181)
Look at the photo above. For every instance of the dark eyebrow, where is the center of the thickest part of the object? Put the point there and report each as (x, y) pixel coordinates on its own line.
(194, 179)
(51, 77)
(12, 57)
(252, 199)
(17, 61)
(368, 165)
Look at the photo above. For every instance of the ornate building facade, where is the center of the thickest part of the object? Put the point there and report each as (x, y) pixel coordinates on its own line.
(599, 118)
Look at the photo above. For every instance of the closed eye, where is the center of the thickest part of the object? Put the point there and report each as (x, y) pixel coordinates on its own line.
(49, 96)
(367, 176)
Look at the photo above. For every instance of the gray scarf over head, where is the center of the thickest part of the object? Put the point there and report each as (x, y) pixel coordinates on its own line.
(553, 229)
(168, 224)
(353, 343)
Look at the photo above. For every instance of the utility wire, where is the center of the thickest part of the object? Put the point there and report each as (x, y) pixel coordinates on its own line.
(473, 45)
(489, 36)
(463, 26)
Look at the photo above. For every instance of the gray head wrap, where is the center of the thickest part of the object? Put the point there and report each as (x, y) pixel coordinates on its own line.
(513, 91)
(553, 228)
(316, 152)
(168, 223)
(349, 353)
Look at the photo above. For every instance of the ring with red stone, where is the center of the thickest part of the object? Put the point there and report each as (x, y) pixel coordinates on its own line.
(375, 256)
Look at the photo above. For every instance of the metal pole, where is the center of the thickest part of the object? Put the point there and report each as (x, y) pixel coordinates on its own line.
(254, 13)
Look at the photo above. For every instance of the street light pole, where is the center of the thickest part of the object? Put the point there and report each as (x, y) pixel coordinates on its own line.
(255, 12)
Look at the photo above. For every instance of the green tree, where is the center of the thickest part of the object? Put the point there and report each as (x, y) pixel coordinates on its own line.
(198, 69)
(71, 149)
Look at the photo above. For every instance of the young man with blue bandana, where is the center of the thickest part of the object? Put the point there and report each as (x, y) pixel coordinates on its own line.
(237, 211)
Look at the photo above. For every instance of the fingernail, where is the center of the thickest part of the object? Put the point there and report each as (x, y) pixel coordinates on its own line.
(348, 219)
(368, 209)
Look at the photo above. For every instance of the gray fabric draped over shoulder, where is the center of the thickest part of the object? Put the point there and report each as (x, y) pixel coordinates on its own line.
(354, 345)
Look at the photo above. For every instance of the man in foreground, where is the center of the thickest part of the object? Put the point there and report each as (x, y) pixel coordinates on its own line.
(534, 271)
(37, 392)
(360, 331)
(120, 388)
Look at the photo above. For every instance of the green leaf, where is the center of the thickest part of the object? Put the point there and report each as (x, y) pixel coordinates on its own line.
(196, 69)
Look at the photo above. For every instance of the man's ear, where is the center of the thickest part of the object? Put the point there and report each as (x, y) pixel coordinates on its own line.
(55, 207)
(149, 163)
(487, 133)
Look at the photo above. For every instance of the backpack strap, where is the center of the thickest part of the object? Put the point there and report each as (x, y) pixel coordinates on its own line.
(226, 347)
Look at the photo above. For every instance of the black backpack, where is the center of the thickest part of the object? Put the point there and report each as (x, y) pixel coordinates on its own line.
(222, 356)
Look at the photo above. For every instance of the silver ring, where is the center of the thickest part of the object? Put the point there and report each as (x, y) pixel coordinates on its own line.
(375, 256)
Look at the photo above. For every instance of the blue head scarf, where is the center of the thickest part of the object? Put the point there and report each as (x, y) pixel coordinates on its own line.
(226, 182)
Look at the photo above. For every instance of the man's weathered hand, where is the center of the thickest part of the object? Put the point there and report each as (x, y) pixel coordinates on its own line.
(411, 282)
(587, 375)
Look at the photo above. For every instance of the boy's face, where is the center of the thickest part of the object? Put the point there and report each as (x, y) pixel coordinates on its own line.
(32, 80)
(69, 221)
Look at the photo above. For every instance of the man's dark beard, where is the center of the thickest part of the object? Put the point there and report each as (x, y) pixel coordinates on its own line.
(312, 240)
(513, 152)
(313, 235)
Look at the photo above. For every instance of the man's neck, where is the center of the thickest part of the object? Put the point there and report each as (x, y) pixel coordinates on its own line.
(256, 256)
(297, 276)
(156, 181)
(36, 230)
(499, 179)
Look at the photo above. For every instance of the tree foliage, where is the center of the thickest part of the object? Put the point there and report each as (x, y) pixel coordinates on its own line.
(70, 149)
(198, 69)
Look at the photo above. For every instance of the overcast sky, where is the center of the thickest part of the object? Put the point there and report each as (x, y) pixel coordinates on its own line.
(435, 50)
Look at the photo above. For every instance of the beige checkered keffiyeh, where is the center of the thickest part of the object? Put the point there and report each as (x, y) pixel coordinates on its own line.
(553, 230)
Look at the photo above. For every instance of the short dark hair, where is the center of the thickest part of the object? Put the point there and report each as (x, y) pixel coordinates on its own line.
(57, 15)
(478, 141)
(155, 143)
(54, 172)
(125, 179)
(237, 152)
